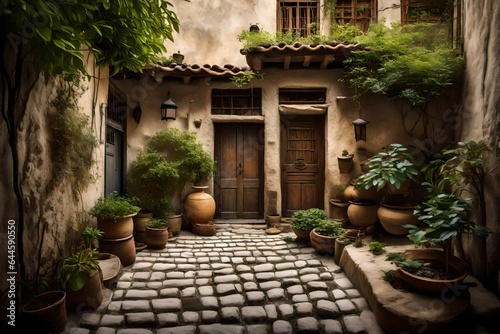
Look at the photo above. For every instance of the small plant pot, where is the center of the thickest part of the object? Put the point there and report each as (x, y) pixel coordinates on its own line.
(156, 238)
(140, 221)
(302, 235)
(89, 297)
(322, 244)
(124, 248)
(338, 209)
(46, 313)
(273, 220)
(207, 229)
(174, 225)
(362, 213)
(394, 215)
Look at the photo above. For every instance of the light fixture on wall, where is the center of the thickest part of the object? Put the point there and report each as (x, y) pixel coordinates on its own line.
(137, 113)
(254, 27)
(168, 109)
(360, 129)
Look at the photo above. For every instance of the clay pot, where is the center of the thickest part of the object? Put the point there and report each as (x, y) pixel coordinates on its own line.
(391, 191)
(349, 193)
(199, 206)
(302, 235)
(140, 221)
(89, 297)
(174, 225)
(338, 209)
(345, 162)
(393, 215)
(362, 214)
(338, 249)
(46, 313)
(207, 229)
(321, 243)
(272, 220)
(156, 238)
(124, 248)
(433, 285)
(116, 228)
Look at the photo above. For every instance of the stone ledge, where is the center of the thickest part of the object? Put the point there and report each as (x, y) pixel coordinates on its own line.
(398, 310)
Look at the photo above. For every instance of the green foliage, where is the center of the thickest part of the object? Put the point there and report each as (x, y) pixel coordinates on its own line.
(124, 34)
(151, 181)
(390, 276)
(394, 166)
(401, 261)
(157, 223)
(90, 235)
(412, 63)
(113, 206)
(329, 228)
(186, 153)
(72, 141)
(307, 219)
(376, 247)
(78, 267)
(344, 240)
(246, 77)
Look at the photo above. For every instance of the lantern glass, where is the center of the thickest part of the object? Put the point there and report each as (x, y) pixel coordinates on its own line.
(360, 129)
(168, 110)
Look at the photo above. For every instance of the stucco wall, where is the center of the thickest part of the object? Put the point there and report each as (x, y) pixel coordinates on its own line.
(481, 112)
(50, 213)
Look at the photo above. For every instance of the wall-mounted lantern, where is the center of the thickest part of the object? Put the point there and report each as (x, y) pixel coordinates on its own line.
(168, 110)
(360, 129)
(254, 28)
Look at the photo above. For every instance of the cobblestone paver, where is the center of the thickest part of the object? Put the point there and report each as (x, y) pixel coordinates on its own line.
(238, 281)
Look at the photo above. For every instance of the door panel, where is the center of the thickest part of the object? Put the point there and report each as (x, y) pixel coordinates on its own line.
(114, 161)
(239, 184)
(302, 158)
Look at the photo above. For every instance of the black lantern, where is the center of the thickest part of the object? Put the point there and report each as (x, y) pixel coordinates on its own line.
(168, 110)
(360, 129)
(254, 28)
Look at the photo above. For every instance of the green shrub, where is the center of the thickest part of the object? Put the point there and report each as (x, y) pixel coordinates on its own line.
(78, 267)
(376, 247)
(156, 223)
(307, 219)
(329, 228)
(113, 206)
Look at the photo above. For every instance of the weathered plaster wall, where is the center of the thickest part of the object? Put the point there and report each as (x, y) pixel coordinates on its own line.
(209, 29)
(389, 10)
(50, 214)
(481, 111)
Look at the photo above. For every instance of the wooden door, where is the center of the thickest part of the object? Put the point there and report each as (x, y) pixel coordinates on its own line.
(303, 160)
(239, 152)
(114, 161)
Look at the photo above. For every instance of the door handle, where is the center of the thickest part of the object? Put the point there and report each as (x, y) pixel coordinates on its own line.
(240, 169)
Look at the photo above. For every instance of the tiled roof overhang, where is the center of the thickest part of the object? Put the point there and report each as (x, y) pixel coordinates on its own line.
(186, 72)
(299, 55)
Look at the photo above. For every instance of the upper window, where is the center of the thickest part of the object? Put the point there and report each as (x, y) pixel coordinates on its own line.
(243, 102)
(358, 13)
(302, 95)
(301, 17)
(445, 12)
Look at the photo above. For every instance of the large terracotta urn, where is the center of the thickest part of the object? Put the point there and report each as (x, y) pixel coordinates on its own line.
(123, 248)
(362, 214)
(393, 215)
(199, 207)
(116, 228)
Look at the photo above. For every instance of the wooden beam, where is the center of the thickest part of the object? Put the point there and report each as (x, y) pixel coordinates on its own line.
(307, 61)
(328, 59)
(286, 63)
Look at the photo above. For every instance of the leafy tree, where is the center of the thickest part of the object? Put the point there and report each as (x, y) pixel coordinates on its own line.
(50, 37)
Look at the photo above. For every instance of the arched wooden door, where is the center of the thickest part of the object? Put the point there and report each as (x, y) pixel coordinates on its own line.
(302, 161)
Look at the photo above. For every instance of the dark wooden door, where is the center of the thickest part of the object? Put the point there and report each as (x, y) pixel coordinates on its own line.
(239, 152)
(303, 160)
(114, 161)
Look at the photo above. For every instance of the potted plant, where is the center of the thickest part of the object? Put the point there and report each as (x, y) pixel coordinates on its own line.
(340, 244)
(46, 313)
(80, 277)
(392, 171)
(303, 222)
(324, 234)
(445, 216)
(114, 215)
(339, 204)
(156, 233)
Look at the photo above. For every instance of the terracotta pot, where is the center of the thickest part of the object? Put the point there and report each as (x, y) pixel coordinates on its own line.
(207, 229)
(352, 234)
(390, 190)
(110, 265)
(156, 238)
(302, 235)
(345, 163)
(338, 209)
(89, 297)
(362, 214)
(349, 193)
(140, 221)
(46, 313)
(273, 220)
(322, 244)
(442, 287)
(116, 228)
(339, 248)
(124, 248)
(199, 206)
(393, 215)
(174, 224)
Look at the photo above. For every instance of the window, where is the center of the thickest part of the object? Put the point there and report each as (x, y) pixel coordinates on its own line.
(300, 17)
(302, 96)
(243, 102)
(445, 12)
(356, 12)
